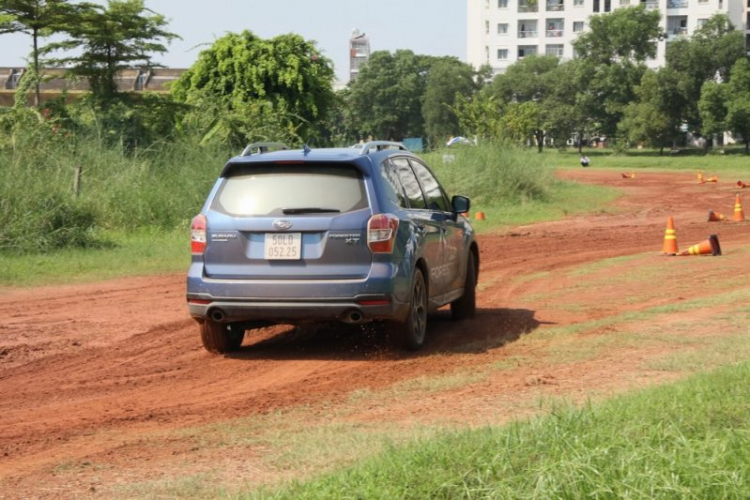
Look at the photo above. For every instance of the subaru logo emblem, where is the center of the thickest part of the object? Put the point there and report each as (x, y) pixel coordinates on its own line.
(282, 224)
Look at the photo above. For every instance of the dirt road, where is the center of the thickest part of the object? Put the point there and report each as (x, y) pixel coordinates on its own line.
(95, 379)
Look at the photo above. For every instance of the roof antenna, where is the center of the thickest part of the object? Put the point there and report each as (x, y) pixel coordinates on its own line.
(306, 149)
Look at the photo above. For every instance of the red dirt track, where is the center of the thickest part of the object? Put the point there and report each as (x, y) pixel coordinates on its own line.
(91, 373)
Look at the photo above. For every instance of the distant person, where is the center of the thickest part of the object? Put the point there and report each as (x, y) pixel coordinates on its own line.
(584, 161)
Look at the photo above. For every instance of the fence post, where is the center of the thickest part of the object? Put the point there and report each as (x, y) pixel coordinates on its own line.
(77, 180)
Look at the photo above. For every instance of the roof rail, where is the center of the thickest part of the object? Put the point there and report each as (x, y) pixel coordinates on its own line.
(263, 147)
(380, 145)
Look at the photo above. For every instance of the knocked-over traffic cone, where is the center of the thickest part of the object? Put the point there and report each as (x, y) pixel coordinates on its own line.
(700, 178)
(479, 216)
(742, 185)
(631, 175)
(715, 178)
(715, 216)
(670, 239)
(709, 246)
(739, 215)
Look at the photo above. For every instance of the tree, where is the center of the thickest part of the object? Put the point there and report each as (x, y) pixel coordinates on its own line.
(627, 34)
(36, 18)
(447, 78)
(613, 52)
(655, 117)
(245, 83)
(525, 89)
(121, 35)
(386, 97)
(708, 55)
(479, 115)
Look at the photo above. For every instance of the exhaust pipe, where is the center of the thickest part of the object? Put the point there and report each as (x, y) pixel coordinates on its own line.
(217, 315)
(353, 317)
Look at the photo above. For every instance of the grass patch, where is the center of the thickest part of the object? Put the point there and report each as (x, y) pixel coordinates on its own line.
(687, 440)
(144, 252)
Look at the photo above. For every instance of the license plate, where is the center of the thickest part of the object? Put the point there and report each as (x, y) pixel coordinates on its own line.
(283, 246)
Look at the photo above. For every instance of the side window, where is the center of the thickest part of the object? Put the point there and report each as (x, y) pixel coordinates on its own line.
(409, 181)
(393, 184)
(436, 198)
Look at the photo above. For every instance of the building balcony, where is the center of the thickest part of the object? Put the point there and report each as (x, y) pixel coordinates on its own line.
(651, 4)
(555, 6)
(527, 34)
(554, 33)
(528, 8)
(677, 4)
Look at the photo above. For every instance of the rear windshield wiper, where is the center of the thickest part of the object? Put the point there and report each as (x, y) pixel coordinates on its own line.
(309, 210)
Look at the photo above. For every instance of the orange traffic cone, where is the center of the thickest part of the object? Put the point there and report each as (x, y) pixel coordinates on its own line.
(715, 178)
(700, 178)
(709, 246)
(670, 239)
(739, 215)
(715, 216)
(479, 216)
(742, 185)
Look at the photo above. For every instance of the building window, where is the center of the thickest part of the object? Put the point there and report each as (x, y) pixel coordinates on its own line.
(554, 50)
(577, 26)
(554, 28)
(487, 53)
(555, 5)
(527, 29)
(596, 5)
(526, 50)
(502, 4)
(624, 3)
(502, 28)
(486, 27)
(607, 5)
(577, 3)
(702, 22)
(502, 54)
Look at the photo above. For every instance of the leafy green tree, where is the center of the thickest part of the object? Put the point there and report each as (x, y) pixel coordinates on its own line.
(386, 97)
(446, 79)
(525, 89)
(627, 34)
(708, 55)
(738, 102)
(38, 19)
(121, 35)
(479, 115)
(613, 52)
(654, 117)
(245, 88)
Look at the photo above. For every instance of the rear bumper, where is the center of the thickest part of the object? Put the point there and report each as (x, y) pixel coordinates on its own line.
(384, 294)
(294, 312)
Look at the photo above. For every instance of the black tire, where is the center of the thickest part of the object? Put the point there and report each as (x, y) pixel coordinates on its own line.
(466, 306)
(413, 330)
(221, 338)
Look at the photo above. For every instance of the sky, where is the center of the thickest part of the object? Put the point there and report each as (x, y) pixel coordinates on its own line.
(429, 27)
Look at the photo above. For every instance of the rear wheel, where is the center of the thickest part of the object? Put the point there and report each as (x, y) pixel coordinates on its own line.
(220, 338)
(413, 330)
(466, 306)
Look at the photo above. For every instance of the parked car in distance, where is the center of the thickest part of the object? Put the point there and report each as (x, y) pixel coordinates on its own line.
(355, 235)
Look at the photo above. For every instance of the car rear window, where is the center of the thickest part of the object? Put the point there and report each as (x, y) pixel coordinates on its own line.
(274, 189)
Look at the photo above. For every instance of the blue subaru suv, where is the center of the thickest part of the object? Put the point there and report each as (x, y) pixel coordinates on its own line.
(338, 234)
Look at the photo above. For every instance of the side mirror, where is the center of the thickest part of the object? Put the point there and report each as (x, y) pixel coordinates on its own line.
(460, 204)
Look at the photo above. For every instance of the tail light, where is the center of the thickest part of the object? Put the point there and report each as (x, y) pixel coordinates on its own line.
(198, 234)
(381, 233)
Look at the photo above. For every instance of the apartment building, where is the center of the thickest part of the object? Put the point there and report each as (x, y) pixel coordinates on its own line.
(359, 52)
(501, 32)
